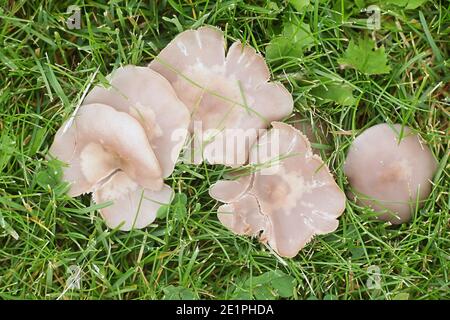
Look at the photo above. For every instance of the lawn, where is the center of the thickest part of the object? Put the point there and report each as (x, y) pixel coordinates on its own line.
(342, 74)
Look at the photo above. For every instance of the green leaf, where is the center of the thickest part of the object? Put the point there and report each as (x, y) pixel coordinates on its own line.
(179, 205)
(267, 286)
(241, 294)
(284, 286)
(299, 5)
(178, 293)
(295, 38)
(404, 4)
(335, 92)
(357, 252)
(365, 58)
(263, 279)
(401, 296)
(399, 3)
(407, 4)
(263, 292)
(414, 4)
(51, 176)
(360, 4)
(162, 211)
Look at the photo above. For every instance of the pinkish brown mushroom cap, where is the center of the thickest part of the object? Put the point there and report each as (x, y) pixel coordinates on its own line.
(133, 207)
(150, 99)
(390, 175)
(226, 94)
(100, 141)
(243, 216)
(231, 190)
(107, 152)
(296, 195)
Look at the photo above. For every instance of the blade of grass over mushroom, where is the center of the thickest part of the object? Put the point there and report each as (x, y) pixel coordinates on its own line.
(244, 99)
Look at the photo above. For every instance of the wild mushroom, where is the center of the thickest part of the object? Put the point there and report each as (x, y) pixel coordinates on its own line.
(229, 96)
(243, 216)
(232, 190)
(150, 99)
(100, 141)
(107, 152)
(389, 174)
(133, 206)
(296, 195)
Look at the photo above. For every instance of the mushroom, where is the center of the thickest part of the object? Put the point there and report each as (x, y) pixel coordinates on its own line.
(231, 190)
(243, 216)
(389, 174)
(296, 195)
(101, 141)
(133, 206)
(150, 99)
(230, 97)
(107, 152)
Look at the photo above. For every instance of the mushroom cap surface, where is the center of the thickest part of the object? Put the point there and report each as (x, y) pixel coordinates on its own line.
(150, 99)
(132, 206)
(387, 174)
(243, 216)
(231, 190)
(295, 193)
(100, 141)
(228, 94)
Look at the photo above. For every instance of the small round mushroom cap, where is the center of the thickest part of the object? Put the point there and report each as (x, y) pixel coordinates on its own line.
(387, 174)
(226, 94)
(150, 99)
(295, 193)
(100, 141)
(132, 206)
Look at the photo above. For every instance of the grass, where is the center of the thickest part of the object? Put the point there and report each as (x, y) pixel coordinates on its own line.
(46, 236)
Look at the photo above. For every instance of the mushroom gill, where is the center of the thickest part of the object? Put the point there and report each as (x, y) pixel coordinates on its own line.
(229, 96)
(296, 195)
(389, 174)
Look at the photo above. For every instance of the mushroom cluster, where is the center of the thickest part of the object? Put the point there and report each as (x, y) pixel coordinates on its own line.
(289, 198)
(126, 138)
(121, 145)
